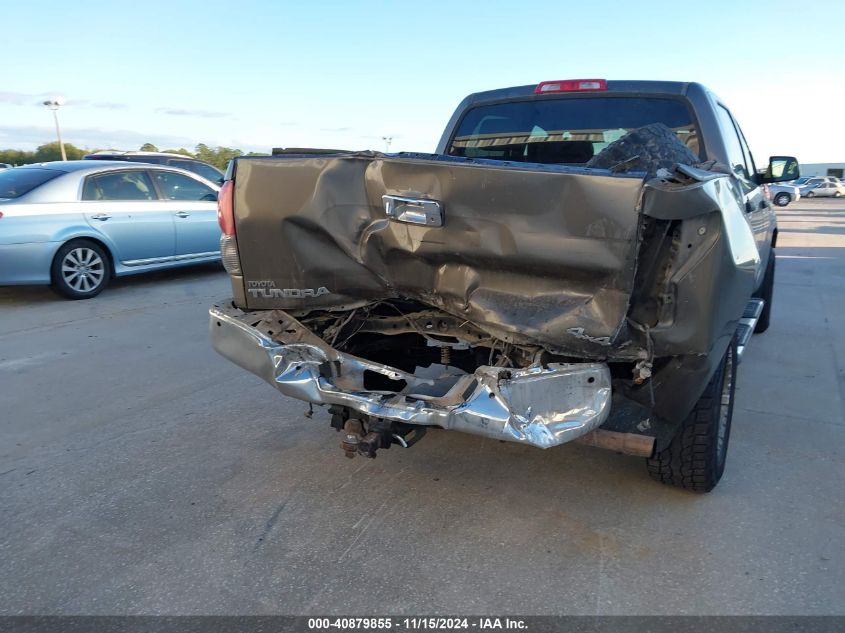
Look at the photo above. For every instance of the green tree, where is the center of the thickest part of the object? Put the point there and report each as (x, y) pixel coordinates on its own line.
(181, 150)
(51, 151)
(16, 157)
(218, 156)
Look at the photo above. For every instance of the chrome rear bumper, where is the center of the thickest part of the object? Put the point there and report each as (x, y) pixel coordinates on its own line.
(542, 406)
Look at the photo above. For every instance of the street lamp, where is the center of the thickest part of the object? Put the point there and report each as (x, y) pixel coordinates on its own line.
(54, 104)
(387, 141)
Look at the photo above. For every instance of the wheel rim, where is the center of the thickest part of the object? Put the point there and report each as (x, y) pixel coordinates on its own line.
(83, 269)
(725, 407)
(781, 200)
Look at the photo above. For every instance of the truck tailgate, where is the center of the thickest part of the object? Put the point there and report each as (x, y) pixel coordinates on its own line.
(537, 253)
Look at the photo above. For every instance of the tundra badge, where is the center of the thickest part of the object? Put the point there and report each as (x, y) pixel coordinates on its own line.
(266, 289)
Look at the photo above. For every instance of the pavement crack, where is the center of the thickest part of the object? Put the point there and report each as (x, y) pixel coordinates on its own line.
(781, 414)
(268, 527)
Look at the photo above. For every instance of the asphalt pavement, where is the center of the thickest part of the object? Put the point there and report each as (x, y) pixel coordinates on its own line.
(140, 473)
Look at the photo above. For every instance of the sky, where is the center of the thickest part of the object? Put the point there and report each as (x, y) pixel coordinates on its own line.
(343, 74)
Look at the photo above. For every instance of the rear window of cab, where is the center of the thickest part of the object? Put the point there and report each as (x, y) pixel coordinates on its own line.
(566, 131)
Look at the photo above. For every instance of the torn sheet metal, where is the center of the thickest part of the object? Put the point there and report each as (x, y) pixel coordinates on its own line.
(542, 255)
(541, 406)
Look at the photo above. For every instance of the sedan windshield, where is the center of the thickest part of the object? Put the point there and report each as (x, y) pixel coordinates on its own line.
(19, 181)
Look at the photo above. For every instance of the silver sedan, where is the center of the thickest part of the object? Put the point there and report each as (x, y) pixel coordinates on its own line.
(783, 194)
(822, 190)
(76, 224)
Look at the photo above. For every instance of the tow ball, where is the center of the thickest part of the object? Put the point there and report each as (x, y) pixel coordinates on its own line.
(378, 434)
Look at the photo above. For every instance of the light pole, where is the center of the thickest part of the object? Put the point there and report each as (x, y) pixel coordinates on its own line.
(387, 141)
(54, 104)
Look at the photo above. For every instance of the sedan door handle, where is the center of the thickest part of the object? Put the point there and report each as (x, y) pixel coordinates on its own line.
(102, 217)
(182, 214)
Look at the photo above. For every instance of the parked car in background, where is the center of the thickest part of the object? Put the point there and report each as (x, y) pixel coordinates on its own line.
(817, 180)
(209, 172)
(75, 224)
(822, 190)
(783, 194)
(814, 180)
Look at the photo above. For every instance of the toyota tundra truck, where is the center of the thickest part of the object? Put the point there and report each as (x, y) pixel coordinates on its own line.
(580, 260)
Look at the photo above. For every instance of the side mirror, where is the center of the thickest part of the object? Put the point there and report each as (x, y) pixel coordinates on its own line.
(781, 169)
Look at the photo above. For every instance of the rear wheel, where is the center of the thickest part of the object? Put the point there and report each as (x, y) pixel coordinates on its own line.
(810, 194)
(695, 458)
(782, 199)
(837, 194)
(80, 270)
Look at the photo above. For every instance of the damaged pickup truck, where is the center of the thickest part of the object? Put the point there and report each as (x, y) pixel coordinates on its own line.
(579, 260)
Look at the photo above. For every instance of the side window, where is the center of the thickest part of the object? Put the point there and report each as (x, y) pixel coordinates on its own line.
(733, 146)
(119, 185)
(746, 151)
(175, 186)
(201, 169)
(155, 160)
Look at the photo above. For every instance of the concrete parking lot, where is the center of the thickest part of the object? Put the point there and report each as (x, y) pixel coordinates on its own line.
(142, 473)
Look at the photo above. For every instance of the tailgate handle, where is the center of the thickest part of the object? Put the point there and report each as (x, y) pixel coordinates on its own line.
(413, 210)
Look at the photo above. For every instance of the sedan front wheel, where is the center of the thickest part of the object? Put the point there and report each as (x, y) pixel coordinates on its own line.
(782, 199)
(81, 269)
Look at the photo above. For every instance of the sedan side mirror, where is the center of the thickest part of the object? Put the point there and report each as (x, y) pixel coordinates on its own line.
(781, 169)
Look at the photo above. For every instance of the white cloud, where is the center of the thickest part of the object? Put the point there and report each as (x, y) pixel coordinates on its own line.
(206, 114)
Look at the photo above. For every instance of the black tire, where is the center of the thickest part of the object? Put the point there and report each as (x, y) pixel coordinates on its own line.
(695, 458)
(810, 194)
(782, 199)
(766, 293)
(837, 194)
(81, 269)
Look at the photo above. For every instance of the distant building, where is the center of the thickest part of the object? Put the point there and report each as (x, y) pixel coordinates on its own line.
(823, 169)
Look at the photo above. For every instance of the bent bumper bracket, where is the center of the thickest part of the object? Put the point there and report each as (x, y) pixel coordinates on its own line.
(540, 405)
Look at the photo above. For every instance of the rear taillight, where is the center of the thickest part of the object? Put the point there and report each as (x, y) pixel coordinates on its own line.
(226, 219)
(226, 208)
(229, 254)
(571, 85)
